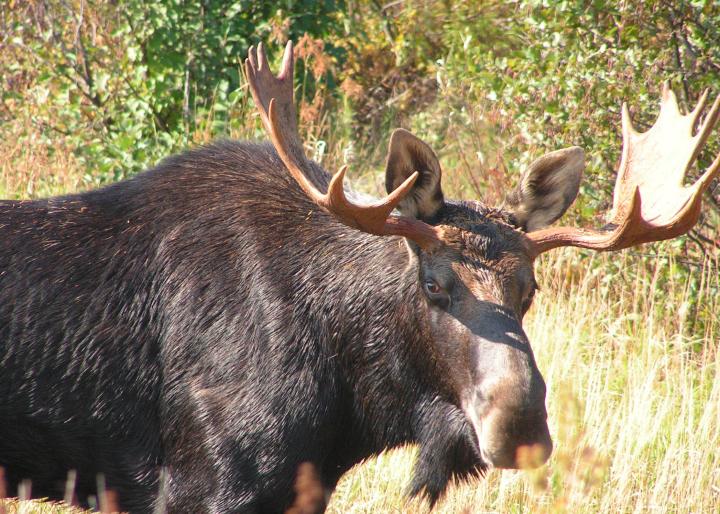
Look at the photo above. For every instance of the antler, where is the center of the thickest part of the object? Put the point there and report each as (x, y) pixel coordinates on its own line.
(650, 202)
(274, 99)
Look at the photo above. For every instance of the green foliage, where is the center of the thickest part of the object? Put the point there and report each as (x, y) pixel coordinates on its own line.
(127, 83)
(556, 73)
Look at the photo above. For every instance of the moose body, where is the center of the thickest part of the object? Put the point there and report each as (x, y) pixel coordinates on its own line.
(197, 332)
(207, 318)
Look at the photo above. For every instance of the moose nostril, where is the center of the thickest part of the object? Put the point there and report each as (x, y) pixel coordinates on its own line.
(516, 442)
(527, 455)
(532, 415)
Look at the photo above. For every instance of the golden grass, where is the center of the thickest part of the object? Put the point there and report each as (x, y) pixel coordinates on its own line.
(36, 507)
(31, 166)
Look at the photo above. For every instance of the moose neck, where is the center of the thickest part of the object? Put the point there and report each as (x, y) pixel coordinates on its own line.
(366, 297)
(364, 292)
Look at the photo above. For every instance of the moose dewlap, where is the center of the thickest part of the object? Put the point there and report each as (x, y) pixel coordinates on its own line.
(231, 314)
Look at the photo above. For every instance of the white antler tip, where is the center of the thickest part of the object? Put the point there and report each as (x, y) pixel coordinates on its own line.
(286, 69)
(336, 182)
(669, 100)
(700, 106)
(627, 126)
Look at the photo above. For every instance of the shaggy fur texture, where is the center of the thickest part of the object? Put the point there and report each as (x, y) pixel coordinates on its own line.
(207, 319)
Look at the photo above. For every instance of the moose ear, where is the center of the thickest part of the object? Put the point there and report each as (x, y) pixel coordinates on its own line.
(406, 155)
(547, 188)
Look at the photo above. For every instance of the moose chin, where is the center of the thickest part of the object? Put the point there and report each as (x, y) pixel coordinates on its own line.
(233, 313)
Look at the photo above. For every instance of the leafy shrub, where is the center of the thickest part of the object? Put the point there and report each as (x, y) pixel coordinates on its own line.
(128, 83)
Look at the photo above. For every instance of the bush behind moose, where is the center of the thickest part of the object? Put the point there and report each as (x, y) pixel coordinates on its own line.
(489, 84)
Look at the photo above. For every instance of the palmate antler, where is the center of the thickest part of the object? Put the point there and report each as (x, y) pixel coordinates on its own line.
(274, 99)
(650, 201)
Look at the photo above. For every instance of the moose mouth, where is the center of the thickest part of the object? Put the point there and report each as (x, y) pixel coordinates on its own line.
(474, 427)
(483, 463)
(523, 443)
(474, 460)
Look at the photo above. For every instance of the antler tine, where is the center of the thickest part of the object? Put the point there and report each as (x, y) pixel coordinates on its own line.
(368, 218)
(668, 99)
(288, 63)
(264, 87)
(262, 57)
(710, 120)
(650, 201)
(695, 113)
(274, 98)
(337, 201)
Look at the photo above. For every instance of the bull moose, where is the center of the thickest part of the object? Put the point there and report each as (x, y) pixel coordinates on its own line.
(234, 312)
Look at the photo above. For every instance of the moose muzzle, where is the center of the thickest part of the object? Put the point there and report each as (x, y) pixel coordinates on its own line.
(505, 401)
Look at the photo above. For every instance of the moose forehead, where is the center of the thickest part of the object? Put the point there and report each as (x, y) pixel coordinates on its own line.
(481, 243)
(481, 234)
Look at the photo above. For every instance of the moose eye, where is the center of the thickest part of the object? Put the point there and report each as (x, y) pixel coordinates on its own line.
(436, 294)
(432, 287)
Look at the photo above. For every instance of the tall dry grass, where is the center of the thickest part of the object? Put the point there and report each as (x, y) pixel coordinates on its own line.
(32, 166)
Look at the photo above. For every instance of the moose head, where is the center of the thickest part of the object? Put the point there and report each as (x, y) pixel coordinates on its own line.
(472, 266)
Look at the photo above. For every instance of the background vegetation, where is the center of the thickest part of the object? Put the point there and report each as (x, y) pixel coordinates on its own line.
(93, 91)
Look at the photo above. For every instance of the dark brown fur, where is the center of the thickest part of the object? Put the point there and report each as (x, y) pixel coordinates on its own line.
(205, 318)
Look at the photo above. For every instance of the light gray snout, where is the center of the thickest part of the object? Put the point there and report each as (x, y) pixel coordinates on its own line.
(506, 400)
